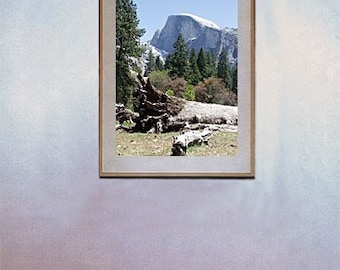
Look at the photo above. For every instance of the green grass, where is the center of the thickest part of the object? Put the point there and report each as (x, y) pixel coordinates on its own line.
(140, 144)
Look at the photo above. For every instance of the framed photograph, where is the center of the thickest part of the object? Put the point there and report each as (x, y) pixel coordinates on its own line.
(177, 88)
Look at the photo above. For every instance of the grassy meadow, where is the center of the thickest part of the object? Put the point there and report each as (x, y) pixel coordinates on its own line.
(222, 143)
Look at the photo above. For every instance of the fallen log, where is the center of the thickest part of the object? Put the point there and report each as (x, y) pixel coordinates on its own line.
(152, 124)
(120, 128)
(123, 114)
(189, 138)
(215, 114)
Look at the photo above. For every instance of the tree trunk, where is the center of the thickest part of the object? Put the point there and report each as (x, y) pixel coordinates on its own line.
(189, 138)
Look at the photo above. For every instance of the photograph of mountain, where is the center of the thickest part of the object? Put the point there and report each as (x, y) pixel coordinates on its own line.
(176, 78)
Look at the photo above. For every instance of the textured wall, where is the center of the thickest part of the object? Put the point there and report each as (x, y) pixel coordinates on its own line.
(57, 214)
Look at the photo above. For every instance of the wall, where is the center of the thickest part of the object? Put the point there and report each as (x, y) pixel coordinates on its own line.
(57, 214)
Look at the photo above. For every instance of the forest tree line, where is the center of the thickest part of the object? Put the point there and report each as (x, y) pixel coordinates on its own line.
(199, 76)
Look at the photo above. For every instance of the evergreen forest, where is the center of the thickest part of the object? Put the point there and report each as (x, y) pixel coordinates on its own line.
(193, 75)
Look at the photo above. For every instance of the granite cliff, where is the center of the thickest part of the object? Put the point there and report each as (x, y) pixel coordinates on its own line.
(198, 33)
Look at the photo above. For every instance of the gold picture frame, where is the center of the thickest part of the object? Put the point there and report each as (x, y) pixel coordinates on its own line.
(242, 165)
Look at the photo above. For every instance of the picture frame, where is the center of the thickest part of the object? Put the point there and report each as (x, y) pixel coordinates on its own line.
(241, 165)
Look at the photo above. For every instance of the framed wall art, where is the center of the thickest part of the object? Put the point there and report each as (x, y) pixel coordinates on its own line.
(177, 88)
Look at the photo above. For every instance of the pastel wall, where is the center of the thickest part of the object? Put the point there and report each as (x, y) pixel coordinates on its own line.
(57, 214)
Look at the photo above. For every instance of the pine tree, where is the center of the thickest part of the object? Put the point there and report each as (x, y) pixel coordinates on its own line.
(177, 61)
(235, 80)
(159, 63)
(151, 64)
(211, 64)
(194, 76)
(127, 46)
(168, 61)
(223, 69)
(202, 64)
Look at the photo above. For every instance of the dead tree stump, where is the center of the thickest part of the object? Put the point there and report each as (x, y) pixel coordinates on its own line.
(155, 108)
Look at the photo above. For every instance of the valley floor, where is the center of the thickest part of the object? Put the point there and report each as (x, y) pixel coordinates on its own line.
(222, 143)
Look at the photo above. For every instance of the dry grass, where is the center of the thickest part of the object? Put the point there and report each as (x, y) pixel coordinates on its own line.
(222, 143)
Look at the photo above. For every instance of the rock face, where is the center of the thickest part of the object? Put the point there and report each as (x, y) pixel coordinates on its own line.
(198, 33)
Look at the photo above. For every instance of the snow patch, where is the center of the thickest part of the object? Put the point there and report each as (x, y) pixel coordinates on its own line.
(202, 21)
(191, 39)
(230, 30)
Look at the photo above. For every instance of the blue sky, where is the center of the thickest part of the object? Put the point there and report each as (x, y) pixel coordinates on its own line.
(153, 13)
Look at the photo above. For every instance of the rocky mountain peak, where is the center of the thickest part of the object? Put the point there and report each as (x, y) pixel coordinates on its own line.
(198, 33)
